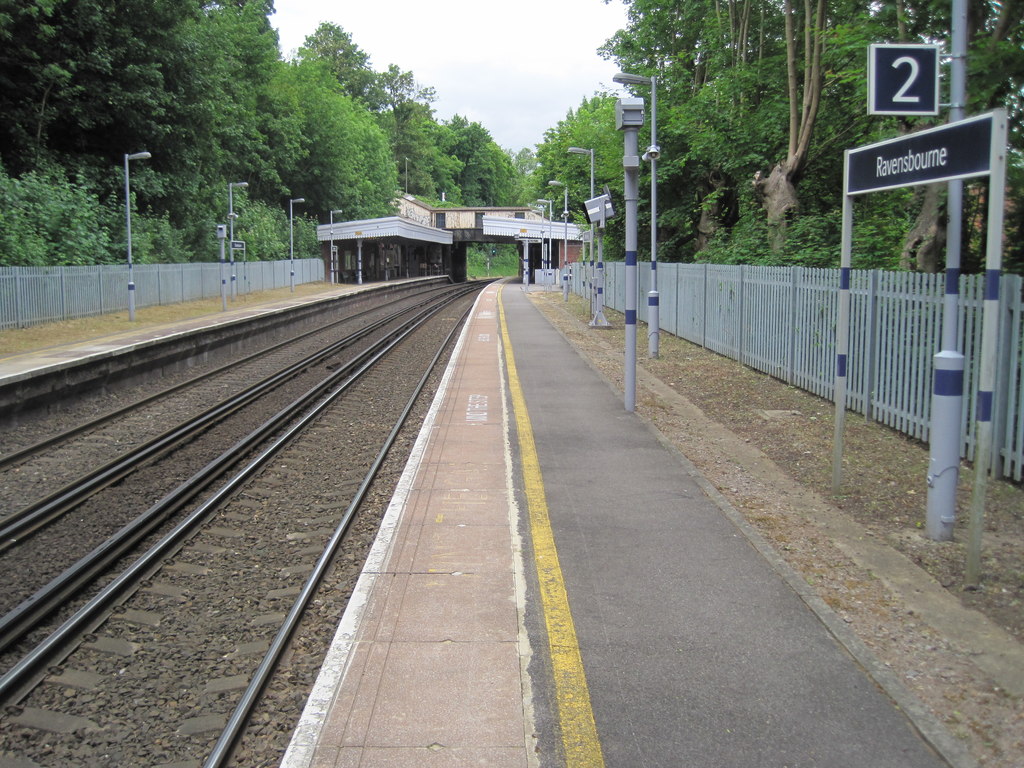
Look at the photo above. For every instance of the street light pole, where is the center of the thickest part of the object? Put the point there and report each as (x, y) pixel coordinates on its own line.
(232, 185)
(334, 250)
(223, 281)
(565, 237)
(291, 237)
(546, 254)
(128, 227)
(651, 155)
(590, 271)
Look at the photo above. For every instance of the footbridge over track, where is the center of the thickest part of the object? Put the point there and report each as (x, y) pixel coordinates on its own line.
(424, 240)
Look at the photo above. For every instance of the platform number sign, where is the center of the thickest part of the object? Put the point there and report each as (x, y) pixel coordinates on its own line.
(903, 79)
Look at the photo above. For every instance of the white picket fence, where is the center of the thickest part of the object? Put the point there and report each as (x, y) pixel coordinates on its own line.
(34, 295)
(782, 321)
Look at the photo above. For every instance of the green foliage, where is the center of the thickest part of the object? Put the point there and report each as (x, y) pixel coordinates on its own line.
(481, 263)
(347, 63)
(203, 88)
(485, 170)
(338, 157)
(47, 219)
(724, 121)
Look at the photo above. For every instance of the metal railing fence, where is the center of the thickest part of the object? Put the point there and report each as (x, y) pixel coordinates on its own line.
(782, 321)
(34, 295)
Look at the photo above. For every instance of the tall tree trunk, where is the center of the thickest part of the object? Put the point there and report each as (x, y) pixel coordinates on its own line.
(777, 190)
(718, 206)
(926, 242)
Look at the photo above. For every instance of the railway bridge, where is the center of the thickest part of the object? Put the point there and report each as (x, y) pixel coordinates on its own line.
(423, 240)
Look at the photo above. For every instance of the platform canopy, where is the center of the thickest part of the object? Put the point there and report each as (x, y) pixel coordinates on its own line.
(389, 226)
(530, 229)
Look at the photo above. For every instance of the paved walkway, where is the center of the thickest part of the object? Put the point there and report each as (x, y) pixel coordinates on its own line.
(641, 623)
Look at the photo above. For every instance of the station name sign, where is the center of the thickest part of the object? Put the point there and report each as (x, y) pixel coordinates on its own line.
(958, 150)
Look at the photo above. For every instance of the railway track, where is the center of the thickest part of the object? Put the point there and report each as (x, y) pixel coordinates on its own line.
(227, 567)
(155, 446)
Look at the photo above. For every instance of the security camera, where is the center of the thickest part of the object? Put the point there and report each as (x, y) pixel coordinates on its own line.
(653, 153)
(629, 113)
(599, 209)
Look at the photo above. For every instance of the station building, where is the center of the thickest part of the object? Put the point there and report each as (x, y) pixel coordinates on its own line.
(422, 240)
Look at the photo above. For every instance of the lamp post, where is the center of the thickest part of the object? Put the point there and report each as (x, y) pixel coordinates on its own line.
(546, 254)
(565, 238)
(334, 250)
(590, 271)
(291, 237)
(128, 227)
(629, 116)
(221, 232)
(651, 155)
(232, 186)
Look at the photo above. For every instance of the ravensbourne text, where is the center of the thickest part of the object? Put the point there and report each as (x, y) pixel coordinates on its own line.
(912, 161)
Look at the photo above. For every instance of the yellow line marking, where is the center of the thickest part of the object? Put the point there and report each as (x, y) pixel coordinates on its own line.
(576, 718)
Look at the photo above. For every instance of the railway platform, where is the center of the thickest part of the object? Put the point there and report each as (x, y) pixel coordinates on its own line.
(24, 365)
(34, 379)
(554, 586)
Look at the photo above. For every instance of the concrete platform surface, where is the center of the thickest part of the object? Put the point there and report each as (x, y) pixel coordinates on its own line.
(698, 647)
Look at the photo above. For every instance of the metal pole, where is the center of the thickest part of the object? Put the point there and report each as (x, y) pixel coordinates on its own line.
(588, 271)
(526, 265)
(359, 261)
(842, 333)
(599, 320)
(631, 166)
(593, 276)
(565, 247)
(948, 384)
(128, 227)
(653, 300)
(231, 234)
(546, 240)
(334, 249)
(223, 280)
(989, 339)
(291, 239)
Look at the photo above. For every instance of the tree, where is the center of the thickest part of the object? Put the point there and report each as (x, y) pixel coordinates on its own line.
(485, 176)
(338, 157)
(350, 65)
(804, 83)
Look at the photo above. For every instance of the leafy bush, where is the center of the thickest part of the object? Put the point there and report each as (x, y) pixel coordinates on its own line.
(45, 218)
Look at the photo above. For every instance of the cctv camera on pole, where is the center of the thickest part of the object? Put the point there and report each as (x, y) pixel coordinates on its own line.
(629, 116)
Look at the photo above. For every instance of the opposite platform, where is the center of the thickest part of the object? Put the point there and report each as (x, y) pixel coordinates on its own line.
(696, 647)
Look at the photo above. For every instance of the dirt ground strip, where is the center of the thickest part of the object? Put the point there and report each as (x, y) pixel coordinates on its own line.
(767, 446)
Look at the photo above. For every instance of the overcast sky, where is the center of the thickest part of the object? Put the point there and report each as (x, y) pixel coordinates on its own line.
(516, 69)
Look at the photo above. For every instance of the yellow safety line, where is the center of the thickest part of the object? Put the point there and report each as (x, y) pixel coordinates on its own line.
(576, 718)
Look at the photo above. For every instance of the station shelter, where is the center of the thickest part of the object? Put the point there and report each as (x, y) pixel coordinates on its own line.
(423, 240)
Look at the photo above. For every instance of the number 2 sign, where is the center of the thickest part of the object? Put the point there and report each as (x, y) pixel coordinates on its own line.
(903, 79)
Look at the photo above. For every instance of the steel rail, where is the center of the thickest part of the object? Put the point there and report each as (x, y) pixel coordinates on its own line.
(19, 680)
(22, 523)
(17, 622)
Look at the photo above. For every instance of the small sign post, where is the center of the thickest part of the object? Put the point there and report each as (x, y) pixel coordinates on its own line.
(903, 79)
